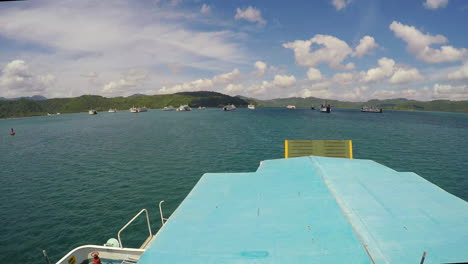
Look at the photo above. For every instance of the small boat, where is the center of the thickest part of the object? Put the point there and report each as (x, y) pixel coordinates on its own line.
(325, 108)
(291, 107)
(142, 109)
(371, 109)
(251, 106)
(92, 112)
(133, 110)
(184, 108)
(201, 108)
(58, 113)
(50, 114)
(230, 107)
(12, 132)
(169, 108)
(112, 110)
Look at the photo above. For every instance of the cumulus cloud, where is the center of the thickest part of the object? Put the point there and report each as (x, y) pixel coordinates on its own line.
(234, 89)
(419, 44)
(343, 78)
(261, 67)
(250, 14)
(227, 77)
(205, 84)
(435, 4)
(340, 4)
(314, 74)
(130, 79)
(332, 51)
(402, 75)
(385, 69)
(205, 9)
(18, 80)
(460, 74)
(453, 92)
(284, 80)
(366, 44)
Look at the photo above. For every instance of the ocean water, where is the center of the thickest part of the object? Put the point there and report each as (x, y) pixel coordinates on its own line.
(76, 179)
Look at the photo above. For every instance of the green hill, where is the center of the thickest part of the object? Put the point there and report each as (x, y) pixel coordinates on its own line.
(28, 107)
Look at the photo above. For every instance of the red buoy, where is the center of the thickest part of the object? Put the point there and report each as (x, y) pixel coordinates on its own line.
(12, 132)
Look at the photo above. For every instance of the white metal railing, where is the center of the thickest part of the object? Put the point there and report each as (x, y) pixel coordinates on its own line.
(129, 222)
(163, 220)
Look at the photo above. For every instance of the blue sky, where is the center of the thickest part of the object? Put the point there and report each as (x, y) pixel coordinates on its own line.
(339, 49)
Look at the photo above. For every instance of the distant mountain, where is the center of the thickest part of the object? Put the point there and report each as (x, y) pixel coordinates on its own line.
(34, 97)
(137, 95)
(397, 104)
(29, 107)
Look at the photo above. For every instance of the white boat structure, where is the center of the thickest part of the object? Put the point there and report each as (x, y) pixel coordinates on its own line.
(201, 108)
(92, 112)
(112, 110)
(251, 106)
(230, 107)
(133, 110)
(291, 107)
(371, 109)
(325, 108)
(184, 108)
(169, 108)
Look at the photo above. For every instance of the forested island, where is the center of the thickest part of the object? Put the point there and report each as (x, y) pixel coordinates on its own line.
(23, 107)
(39, 105)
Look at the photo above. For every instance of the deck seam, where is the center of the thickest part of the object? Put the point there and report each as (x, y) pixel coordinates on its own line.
(320, 172)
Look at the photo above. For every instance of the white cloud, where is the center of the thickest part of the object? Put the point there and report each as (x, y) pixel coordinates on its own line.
(250, 14)
(18, 80)
(340, 4)
(321, 85)
(205, 84)
(261, 67)
(402, 75)
(435, 4)
(284, 80)
(129, 80)
(332, 51)
(314, 74)
(366, 44)
(447, 91)
(205, 9)
(385, 69)
(460, 74)
(113, 37)
(232, 76)
(343, 78)
(419, 44)
(234, 89)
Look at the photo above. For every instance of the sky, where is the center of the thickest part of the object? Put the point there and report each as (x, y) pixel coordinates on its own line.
(352, 50)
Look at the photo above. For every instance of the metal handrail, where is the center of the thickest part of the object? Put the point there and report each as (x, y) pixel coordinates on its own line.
(129, 222)
(163, 220)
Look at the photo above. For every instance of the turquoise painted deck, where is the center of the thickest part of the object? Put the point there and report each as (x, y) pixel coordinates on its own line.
(314, 210)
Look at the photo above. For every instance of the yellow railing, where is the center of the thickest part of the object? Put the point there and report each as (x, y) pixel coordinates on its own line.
(326, 148)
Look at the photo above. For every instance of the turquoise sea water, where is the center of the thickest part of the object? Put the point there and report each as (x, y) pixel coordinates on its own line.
(76, 179)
